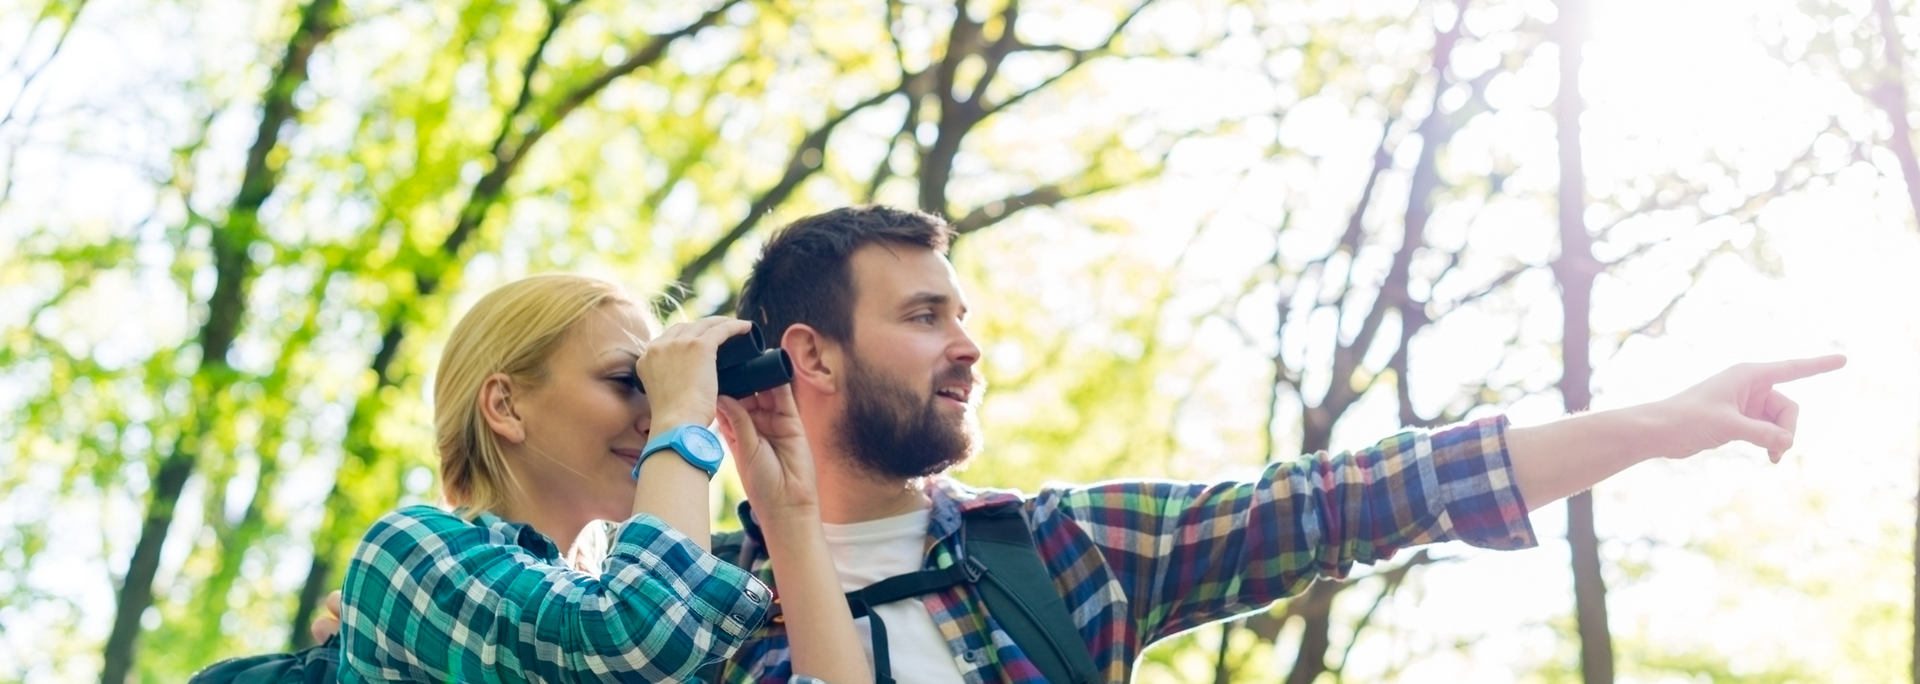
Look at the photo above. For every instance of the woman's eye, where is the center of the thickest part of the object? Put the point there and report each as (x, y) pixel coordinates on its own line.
(630, 383)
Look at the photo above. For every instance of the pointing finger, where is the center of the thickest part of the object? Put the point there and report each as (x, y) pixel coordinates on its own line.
(1794, 369)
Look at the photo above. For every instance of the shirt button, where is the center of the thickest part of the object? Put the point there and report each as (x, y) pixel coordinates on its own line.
(753, 593)
(971, 656)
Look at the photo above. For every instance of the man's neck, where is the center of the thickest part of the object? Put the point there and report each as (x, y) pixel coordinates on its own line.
(848, 494)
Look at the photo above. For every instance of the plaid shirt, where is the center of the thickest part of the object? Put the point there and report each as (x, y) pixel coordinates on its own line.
(1139, 561)
(431, 597)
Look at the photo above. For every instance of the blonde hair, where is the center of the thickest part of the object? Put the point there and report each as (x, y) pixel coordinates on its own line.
(512, 330)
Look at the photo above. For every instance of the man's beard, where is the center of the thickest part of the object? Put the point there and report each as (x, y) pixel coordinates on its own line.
(892, 433)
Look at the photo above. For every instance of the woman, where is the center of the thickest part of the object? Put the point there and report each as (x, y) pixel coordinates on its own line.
(543, 430)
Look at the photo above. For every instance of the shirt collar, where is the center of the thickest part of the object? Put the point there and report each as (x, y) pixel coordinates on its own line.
(951, 499)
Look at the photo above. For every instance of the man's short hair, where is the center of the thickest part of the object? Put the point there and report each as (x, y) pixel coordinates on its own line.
(803, 274)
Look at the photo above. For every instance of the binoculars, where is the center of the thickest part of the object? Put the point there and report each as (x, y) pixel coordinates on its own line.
(746, 365)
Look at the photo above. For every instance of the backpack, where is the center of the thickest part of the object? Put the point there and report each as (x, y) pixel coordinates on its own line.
(1004, 565)
(313, 665)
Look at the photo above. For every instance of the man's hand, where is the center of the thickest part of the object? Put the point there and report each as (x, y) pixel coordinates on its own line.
(328, 623)
(1568, 456)
(1738, 404)
(770, 450)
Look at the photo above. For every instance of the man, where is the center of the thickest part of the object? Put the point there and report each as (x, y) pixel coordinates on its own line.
(867, 306)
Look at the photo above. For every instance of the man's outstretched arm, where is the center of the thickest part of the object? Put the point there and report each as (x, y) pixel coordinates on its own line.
(1565, 457)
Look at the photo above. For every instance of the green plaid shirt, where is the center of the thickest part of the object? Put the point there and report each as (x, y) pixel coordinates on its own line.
(1139, 561)
(431, 597)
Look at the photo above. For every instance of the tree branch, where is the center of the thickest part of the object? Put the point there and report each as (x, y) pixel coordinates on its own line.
(807, 159)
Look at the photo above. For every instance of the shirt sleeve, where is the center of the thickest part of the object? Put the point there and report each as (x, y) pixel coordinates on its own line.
(432, 597)
(1189, 553)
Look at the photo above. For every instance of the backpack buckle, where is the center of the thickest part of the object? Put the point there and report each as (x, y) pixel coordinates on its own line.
(974, 570)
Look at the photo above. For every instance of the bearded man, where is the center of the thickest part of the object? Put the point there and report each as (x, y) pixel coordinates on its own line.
(865, 302)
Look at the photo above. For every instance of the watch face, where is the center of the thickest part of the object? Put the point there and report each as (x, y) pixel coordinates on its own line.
(703, 442)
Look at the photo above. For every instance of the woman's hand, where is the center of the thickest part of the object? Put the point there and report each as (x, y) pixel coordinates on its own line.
(677, 370)
(770, 449)
(328, 622)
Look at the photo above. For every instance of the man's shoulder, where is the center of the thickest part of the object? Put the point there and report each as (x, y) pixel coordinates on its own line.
(953, 499)
(966, 498)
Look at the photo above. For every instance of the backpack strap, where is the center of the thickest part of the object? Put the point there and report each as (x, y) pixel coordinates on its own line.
(1020, 594)
(897, 588)
(1002, 562)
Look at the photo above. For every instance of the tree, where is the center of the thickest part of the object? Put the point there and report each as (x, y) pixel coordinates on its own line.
(231, 242)
(1574, 269)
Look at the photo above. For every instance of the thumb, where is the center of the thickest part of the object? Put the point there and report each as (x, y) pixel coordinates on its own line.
(735, 425)
(1760, 433)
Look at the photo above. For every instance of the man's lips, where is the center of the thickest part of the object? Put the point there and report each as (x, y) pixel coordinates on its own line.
(958, 386)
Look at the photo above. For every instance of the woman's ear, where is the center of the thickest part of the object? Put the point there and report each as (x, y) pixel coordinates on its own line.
(496, 407)
(816, 359)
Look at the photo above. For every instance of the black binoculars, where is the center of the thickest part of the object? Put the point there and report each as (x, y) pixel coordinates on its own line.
(746, 365)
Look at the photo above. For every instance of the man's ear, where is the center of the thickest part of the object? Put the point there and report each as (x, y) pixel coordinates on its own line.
(817, 361)
(496, 407)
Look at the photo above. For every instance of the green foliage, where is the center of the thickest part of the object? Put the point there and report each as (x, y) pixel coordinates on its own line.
(437, 149)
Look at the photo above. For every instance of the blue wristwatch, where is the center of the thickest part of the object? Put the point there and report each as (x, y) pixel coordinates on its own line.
(695, 443)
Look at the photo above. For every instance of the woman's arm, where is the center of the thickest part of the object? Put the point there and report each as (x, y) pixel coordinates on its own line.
(677, 369)
(776, 467)
(433, 597)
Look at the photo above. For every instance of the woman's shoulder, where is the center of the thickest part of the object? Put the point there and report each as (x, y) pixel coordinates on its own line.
(422, 514)
(418, 522)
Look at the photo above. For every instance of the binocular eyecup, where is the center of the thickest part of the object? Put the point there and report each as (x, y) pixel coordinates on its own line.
(747, 366)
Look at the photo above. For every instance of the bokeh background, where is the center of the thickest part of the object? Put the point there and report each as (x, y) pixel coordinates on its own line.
(1199, 235)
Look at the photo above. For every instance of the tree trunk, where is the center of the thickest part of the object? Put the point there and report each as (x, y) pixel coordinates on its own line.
(1891, 97)
(1575, 269)
(226, 308)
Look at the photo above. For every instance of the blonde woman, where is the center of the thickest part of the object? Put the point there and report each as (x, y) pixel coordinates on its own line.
(543, 430)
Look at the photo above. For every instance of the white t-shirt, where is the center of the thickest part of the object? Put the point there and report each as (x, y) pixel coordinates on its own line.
(868, 552)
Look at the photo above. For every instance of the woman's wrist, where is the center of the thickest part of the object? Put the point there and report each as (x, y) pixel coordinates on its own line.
(668, 420)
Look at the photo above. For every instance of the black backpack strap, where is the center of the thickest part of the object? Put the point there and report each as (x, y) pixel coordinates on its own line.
(896, 588)
(1020, 594)
(1003, 564)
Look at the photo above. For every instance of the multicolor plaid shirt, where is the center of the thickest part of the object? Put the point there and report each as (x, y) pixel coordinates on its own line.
(1139, 561)
(431, 597)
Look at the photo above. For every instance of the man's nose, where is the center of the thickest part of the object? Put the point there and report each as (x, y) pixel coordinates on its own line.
(963, 350)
